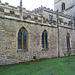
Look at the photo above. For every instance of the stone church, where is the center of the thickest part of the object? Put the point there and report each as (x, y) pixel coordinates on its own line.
(41, 33)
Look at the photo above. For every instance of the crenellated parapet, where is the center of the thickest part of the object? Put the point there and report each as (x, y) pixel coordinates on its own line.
(41, 15)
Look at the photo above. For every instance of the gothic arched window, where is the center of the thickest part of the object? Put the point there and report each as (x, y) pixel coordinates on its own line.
(68, 41)
(22, 39)
(63, 6)
(44, 40)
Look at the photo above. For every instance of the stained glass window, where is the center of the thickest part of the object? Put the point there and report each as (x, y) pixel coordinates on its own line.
(44, 39)
(22, 39)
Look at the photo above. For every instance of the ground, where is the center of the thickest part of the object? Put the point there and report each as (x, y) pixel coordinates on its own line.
(56, 66)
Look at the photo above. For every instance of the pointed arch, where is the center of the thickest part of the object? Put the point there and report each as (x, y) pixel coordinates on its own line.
(63, 6)
(22, 39)
(44, 39)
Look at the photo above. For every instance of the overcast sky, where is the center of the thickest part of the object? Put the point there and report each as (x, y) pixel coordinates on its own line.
(31, 4)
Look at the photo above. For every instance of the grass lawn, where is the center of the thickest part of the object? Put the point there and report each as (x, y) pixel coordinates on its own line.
(57, 66)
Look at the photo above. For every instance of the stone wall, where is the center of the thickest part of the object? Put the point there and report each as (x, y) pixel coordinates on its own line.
(8, 41)
(63, 42)
(35, 22)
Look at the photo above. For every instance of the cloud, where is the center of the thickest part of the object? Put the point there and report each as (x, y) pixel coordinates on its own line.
(31, 4)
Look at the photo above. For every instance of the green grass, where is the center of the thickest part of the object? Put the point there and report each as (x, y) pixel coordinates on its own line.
(57, 66)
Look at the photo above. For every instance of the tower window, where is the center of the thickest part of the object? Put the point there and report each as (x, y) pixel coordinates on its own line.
(22, 39)
(50, 18)
(63, 6)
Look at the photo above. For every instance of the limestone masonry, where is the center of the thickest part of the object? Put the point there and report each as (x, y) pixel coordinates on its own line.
(37, 34)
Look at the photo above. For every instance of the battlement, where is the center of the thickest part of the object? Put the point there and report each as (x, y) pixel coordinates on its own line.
(43, 8)
(39, 15)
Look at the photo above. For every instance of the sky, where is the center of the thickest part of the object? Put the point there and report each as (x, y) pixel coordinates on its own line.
(31, 4)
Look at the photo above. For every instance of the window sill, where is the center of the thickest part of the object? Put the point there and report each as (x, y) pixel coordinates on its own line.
(21, 50)
(45, 49)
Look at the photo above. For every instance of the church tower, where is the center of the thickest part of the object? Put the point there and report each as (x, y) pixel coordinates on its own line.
(65, 6)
